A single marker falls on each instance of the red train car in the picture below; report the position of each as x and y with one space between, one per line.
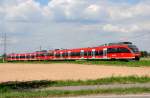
111 51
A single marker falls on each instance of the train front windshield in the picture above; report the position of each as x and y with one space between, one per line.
134 48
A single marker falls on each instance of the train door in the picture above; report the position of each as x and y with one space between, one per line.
54 55
44 56
69 54
61 56
82 54
25 57
11 57
19 57
15 57
93 53
30 57
105 53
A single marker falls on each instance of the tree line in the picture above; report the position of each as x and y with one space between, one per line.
145 54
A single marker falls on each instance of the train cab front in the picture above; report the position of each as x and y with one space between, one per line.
135 52
137 56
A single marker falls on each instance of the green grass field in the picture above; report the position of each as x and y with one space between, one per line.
27 89
116 63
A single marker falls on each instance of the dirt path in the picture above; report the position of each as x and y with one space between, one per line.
94 87
112 96
27 72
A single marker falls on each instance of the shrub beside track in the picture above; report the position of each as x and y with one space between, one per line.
44 83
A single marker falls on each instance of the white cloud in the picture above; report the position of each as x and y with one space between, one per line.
129 11
93 12
122 29
73 10
27 11
67 9
90 21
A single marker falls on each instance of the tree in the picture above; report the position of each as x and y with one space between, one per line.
144 54
149 54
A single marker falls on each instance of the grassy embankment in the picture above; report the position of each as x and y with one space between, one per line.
143 62
26 89
59 93
116 63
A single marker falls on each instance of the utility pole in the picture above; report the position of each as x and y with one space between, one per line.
40 48
4 39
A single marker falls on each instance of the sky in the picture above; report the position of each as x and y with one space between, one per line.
51 24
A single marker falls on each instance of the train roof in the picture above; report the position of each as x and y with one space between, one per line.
104 45
117 43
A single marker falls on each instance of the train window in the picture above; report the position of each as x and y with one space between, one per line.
73 54
22 57
86 53
112 50
65 54
45 54
39 55
32 56
123 50
57 55
101 53
17 57
28 57
49 54
42 55
134 48
97 53
8 56
77 53
89 53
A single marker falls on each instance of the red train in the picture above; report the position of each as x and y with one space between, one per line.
111 51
